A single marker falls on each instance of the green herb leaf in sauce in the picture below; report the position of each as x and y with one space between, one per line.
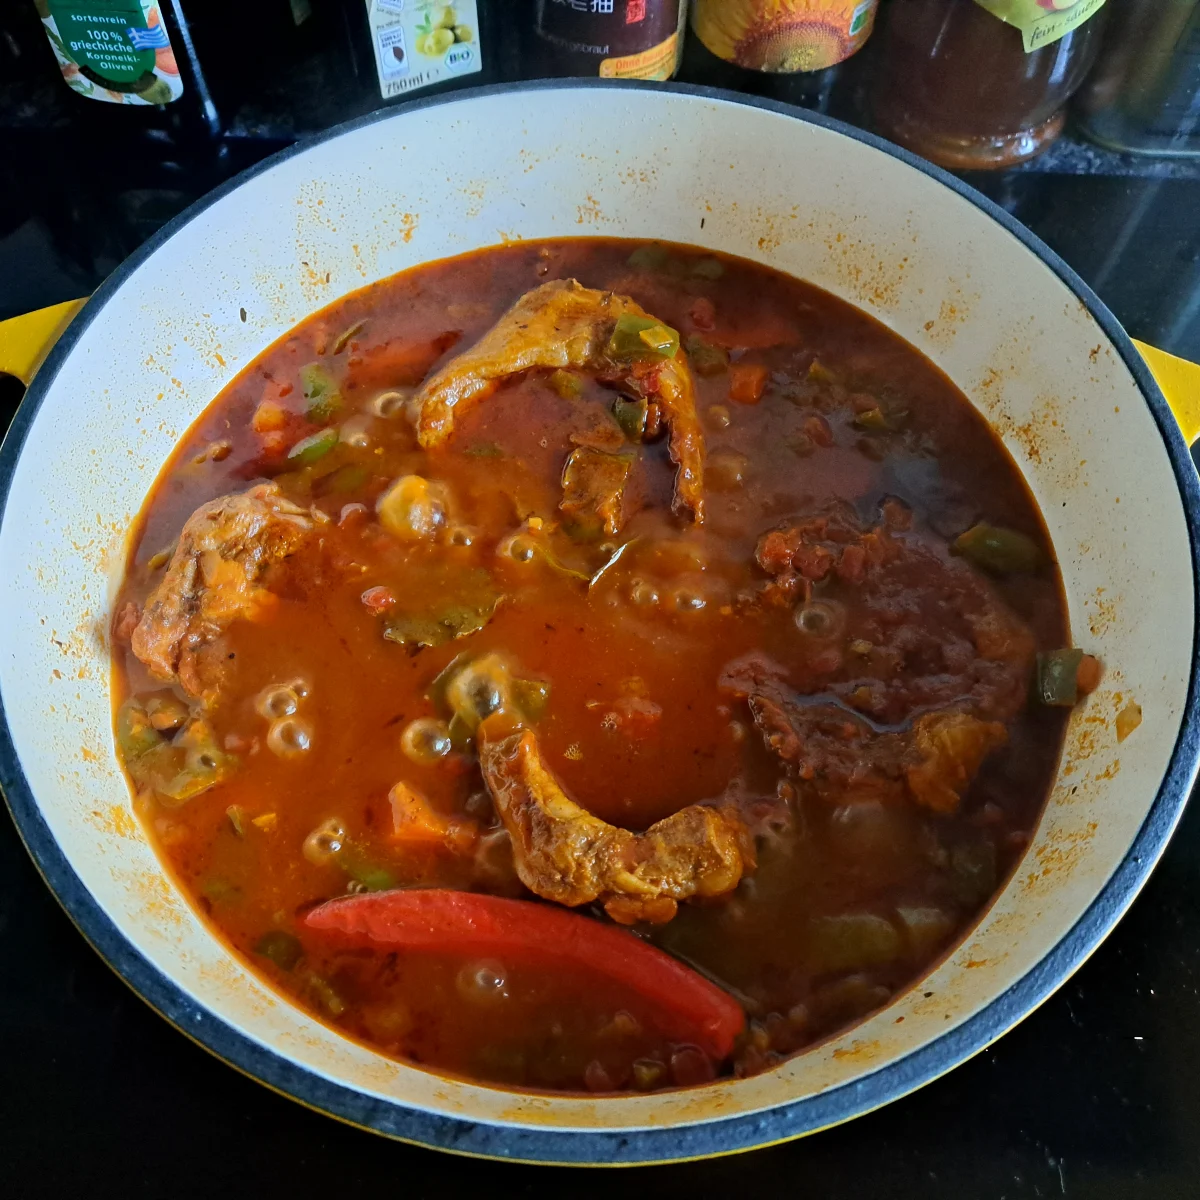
177 770
1000 551
706 359
417 633
219 890
872 420
708 268
322 396
649 258
973 871
135 734
851 941
372 876
636 337
1058 677
532 546
470 599
567 384
345 336
819 373
631 416
283 949
594 486
349 478
308 450
531 696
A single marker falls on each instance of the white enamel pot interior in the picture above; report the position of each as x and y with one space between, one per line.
1010 324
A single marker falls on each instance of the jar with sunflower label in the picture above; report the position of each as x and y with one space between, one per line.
783 36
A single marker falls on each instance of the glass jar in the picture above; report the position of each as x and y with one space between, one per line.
958 84
1144 95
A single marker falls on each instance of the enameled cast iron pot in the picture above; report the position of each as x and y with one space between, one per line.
1023 337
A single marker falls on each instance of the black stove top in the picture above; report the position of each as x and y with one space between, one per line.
1093 1096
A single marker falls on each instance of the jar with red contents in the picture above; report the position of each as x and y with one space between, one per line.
982 83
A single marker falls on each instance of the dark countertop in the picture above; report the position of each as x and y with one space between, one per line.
1093 1096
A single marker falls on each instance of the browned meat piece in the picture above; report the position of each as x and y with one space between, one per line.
565 854
948 749
563 324
907 666
594 490
896 627
842 758
604 434
215 576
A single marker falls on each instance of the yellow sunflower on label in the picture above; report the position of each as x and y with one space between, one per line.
783 35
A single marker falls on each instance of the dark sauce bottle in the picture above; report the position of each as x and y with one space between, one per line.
608 39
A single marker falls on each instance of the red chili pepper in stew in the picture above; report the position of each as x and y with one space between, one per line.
689 1008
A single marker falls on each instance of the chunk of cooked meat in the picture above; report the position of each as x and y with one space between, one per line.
889 626
907 663
594 490
842 758
216 576
558 325
947 751
565 854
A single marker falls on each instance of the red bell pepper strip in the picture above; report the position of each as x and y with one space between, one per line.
688 1008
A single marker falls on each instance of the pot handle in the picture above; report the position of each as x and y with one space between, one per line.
1180 383
25 341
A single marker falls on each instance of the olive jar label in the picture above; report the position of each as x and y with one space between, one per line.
117 51
1042 22
418 44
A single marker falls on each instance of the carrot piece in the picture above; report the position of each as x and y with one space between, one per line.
416 825
268 417
412 818
746 382
688 1007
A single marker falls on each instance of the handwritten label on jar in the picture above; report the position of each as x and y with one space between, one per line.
117 51
418 44
1042 22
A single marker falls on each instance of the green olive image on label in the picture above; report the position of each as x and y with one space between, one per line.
117 51
438 42
419 45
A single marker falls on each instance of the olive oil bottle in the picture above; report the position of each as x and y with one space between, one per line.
138 56
418 47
